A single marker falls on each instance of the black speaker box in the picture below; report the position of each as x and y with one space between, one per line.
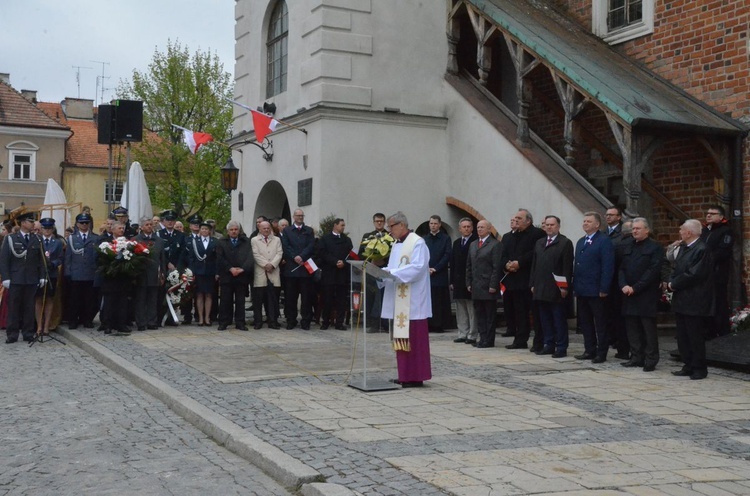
105 122
128 120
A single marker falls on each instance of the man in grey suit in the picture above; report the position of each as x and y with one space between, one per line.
483 269
147 284
22 265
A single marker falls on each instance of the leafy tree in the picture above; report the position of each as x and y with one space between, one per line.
189 91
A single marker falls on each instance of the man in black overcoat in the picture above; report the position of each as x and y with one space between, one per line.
234 266
333 249
719 239
439 245
298 242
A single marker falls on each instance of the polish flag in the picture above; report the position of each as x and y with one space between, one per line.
311 266
502 289
561 281
263 124
195 140
352 255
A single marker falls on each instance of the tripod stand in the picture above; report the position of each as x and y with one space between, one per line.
40 337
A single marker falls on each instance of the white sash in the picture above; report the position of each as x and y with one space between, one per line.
402 305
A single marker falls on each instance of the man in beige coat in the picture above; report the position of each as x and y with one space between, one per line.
267 252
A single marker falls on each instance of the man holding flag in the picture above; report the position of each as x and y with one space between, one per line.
298 242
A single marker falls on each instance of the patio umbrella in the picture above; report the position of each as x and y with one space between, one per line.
55 196
135 195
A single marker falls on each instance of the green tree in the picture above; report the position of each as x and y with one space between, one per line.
189 91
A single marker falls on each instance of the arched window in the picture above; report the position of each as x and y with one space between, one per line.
276 49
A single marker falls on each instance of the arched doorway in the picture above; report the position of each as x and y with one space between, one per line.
272 202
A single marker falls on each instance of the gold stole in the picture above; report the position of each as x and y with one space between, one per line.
402 306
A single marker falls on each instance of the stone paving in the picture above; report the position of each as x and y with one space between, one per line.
491 422
72 427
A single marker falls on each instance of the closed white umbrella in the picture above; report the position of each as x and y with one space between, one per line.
135 195
55 196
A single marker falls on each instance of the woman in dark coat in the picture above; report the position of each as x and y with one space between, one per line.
202 262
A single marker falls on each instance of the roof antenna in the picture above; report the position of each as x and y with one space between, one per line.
78 76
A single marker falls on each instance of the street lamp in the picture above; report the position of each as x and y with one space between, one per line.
229 176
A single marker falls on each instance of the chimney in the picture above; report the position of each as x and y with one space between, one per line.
5 77
78 108
30 95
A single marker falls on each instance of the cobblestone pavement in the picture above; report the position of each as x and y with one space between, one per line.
73 427
491 422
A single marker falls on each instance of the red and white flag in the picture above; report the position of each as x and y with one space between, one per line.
194 139
352 255
263 124
502 289
310 265
561 281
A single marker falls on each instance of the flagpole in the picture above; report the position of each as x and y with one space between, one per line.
253 110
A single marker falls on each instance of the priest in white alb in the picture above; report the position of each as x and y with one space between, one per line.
407 302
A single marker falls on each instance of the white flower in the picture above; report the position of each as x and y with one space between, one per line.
104 247
127 255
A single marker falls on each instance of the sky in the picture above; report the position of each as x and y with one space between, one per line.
43 41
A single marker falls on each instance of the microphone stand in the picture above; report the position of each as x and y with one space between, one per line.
39 336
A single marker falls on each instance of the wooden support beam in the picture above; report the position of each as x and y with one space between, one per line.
573 102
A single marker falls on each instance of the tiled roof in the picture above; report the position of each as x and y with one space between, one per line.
15 110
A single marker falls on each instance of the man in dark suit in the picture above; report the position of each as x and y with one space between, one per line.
54 253
592 280
234 265
374 294
551 272
174 254
613 219
298 241
719 239
518 253
692 299
333 248
439 245
148 283
613 302
80 267
639 280
22 264
465 319
483 271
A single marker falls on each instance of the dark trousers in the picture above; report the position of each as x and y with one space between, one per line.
115 305
335 297
232 303
145 305
21 299
553 320
510 316
186 309
644 344
296 288
593 324
719 324
265 297
84 302
520 308
441 309
538 330
691 340
618 333
485 312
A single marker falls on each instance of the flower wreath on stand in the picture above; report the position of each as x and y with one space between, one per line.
179 289
122 258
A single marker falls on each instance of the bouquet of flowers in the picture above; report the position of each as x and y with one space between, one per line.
180 286
377 246
740 320
122 258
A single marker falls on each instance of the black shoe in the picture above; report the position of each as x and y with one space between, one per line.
73 327
187 322
649 368
10 341
305 327
631 363
340 327
514 346
472 342
698 375
559 354
545 351
123 332
141 328
459 340
222 328
585 356
508 335
28 340
622 355
682 373
170 324
242 328
324 327
152 327
291 325
485 345
274 325
412 384
599 359
258 326
88 325
534 349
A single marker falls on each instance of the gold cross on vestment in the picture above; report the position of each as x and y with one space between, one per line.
402 288
401 318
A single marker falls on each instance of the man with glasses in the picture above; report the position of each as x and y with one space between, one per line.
718 237
374 295
22 267
298 243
